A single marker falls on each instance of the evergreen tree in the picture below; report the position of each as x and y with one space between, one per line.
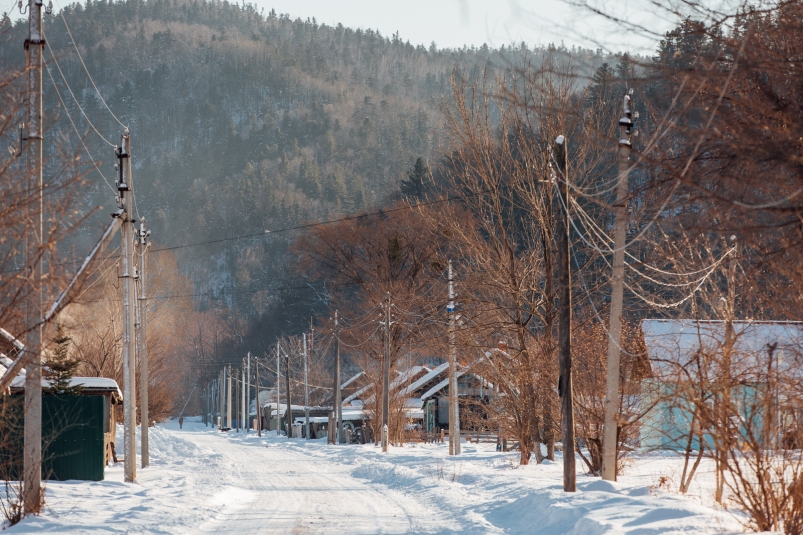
413 187
59 368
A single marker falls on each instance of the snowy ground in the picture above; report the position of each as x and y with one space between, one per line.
204 481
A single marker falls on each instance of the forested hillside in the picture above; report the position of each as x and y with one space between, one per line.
244 121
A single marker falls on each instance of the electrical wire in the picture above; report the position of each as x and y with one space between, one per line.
706 271
50 75
67 26
319 223
637 294
64 78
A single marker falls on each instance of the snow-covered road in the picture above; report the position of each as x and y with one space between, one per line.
204 481
282 490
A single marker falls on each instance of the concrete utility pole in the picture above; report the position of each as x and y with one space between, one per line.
306 392
220 387
338 409
256 398
278 390
611 429
125 189
248 395
386 377
143 243
238 402
288 421
565 320
32 454
454 408
228 399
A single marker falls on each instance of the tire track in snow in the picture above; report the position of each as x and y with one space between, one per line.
280 489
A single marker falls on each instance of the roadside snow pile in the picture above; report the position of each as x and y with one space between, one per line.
489 490
164 446
203 481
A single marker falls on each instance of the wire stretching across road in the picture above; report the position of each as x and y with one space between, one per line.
313 225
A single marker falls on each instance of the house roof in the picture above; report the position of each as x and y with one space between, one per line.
415 385
672 346
91 385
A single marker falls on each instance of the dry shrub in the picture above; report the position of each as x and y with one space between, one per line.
96 327
590 365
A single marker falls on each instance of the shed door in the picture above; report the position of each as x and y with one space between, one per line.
443 410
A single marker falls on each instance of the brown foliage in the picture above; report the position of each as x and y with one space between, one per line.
364 259
95 324
590 360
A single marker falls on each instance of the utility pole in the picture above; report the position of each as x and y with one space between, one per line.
386 377
306 392
565 320
143 243
278 390
220 387
256 399
337 396
238 402
611 428
454 408
125 189
228 399
288 421
32 454
248 396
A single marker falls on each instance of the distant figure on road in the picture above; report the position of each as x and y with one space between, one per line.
180 421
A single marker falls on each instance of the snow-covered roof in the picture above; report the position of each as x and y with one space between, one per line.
415 385
672 345
357 394
98 384
403 377
8 336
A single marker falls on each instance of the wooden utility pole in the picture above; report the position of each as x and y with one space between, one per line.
306 392
125 189
32 454
338 409
143 243
565 319
386 377
454 408
610 435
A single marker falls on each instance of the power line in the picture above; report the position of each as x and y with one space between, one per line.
313 225
67 111
280 230
64 78
61 12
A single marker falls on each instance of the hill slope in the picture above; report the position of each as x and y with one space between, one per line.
243 121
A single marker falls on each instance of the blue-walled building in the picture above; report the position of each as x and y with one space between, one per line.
689 356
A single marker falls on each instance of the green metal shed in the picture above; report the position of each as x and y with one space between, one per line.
77 432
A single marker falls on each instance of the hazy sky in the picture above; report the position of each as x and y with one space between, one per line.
453 23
